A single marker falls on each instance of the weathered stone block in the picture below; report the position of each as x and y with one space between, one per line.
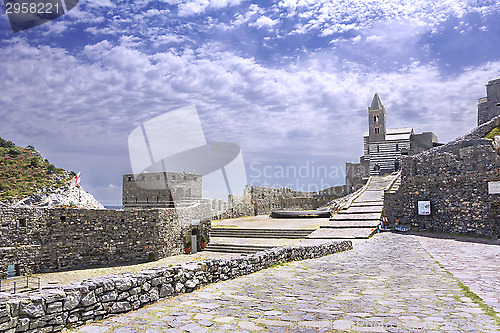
123 284
54 307
135 291
89 299
119 307
166 290
8 324
31 309
23 325
72 300
157 281
110 296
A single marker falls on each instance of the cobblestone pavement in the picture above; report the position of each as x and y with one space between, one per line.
474 262
386 284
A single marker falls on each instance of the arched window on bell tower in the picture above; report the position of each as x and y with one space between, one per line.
376 119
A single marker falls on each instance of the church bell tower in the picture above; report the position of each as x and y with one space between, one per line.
376 120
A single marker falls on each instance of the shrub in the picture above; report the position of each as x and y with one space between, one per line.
6 144
14 152
51 168
34 162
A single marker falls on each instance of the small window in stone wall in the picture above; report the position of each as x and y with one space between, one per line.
123 220
63 218
22 222
129 178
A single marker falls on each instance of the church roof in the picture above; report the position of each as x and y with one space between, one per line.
376 103
391 134
400 130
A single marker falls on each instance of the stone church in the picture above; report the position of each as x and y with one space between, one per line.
383 147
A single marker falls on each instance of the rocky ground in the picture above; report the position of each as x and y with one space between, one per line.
64 196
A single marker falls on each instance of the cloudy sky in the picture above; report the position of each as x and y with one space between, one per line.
288 81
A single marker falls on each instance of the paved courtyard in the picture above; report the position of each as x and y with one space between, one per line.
386 284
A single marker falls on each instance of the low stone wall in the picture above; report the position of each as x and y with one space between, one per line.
52 310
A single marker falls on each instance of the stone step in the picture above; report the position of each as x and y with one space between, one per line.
351 224
355 217
342 233
260 233
362 209
367 204
236 248
370 196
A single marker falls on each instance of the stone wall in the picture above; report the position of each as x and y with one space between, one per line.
160 189
52 310
266 199
73 238
455 180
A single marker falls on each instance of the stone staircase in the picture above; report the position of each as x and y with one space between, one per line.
222 238
360 217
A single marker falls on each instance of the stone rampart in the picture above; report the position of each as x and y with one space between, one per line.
266 199
42 240
52 310
455 181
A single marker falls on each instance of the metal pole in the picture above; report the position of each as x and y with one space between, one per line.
27 281
39 283
14 287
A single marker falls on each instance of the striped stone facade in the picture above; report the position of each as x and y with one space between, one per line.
384 156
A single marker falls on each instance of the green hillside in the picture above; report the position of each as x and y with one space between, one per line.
23 172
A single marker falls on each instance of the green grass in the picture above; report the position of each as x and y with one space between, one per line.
479 301
493 133
488 310
23 172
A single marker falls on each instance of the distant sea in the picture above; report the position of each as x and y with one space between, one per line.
113 207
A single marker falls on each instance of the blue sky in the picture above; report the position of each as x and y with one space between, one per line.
288 81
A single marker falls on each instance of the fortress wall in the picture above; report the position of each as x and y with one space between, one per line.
456 186
20 226
266 199
65 238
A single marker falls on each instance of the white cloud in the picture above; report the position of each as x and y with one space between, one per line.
265 22
339 16
308 110
195 7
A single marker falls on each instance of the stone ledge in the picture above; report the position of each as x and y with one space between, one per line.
53 309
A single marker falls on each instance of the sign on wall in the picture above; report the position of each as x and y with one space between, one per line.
494 187
424 208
